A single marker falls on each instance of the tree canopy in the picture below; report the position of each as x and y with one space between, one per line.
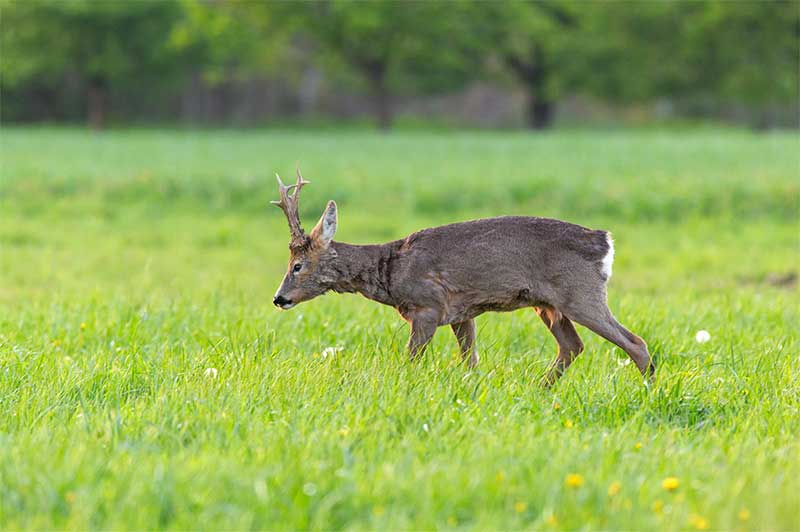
725 52
105 46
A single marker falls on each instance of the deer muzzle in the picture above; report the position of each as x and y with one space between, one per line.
282 302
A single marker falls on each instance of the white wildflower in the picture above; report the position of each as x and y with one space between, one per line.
702 336
211 373
330 351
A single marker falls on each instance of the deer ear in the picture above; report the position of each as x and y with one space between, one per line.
326 226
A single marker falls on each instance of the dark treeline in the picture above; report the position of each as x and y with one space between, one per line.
225 61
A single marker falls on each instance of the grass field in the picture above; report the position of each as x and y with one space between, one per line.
133 262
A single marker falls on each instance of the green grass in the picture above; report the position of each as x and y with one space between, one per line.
133 261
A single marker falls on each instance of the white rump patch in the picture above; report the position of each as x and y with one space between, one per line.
608 260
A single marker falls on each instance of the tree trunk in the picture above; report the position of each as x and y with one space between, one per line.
382 99
97 102
384 109
540 106
540 112
532 71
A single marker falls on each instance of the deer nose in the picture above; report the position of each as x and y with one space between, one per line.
280 301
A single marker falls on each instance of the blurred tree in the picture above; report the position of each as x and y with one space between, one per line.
618 44
532 40
722 53
742 52
708 53
232 47
231 39
106 45
393 46
712 52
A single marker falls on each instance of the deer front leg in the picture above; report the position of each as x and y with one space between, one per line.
423 326
465 334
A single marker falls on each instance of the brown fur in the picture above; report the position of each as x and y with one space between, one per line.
450 274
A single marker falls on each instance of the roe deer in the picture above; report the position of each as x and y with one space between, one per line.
448 275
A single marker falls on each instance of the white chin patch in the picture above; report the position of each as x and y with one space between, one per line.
287 306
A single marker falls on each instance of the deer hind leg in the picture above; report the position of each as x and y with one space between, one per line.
569 343
596 316
465 334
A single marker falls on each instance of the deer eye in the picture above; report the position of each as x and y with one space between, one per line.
296 268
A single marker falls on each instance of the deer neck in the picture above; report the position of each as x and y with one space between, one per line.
364 269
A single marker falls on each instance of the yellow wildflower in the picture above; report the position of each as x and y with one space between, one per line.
744 514
83 325
614 488
700 523
568 423
657 506
557 406
344 431
520 507
638 445
670 483
551 520
574 480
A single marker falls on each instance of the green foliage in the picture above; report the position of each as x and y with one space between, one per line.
707 52
416 45
132 262
232 40
532 40
712 52
102 50
111 41
743 52
392 47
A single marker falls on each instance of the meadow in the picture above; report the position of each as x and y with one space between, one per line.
147 381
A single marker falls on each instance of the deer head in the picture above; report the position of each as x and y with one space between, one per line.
310 272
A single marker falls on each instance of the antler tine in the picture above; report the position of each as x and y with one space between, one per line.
300 181
282 190
288 204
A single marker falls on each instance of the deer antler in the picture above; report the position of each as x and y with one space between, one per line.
288 203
